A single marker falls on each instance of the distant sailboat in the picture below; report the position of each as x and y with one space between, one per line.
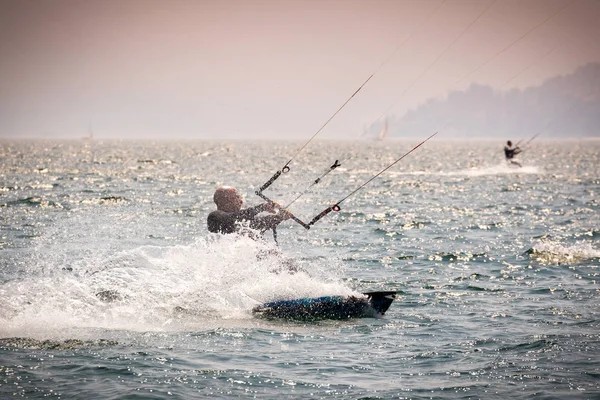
90 134
383 132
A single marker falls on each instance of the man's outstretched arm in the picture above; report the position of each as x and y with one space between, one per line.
269 221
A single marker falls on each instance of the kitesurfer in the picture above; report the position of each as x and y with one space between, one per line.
510 152
229 215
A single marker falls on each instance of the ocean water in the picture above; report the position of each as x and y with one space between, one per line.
497 271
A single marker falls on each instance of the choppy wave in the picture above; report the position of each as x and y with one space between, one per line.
33 201
69 344
106 200
552 253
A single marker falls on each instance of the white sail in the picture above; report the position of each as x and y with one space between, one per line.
383 132
90 133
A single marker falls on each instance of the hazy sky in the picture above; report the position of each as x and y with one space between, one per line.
267 68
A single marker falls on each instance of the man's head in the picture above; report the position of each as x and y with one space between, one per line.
228 199
509 143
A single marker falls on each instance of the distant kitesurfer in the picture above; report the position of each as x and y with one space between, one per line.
229 216
510 152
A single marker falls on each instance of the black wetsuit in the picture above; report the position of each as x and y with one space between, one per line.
511 152
228 222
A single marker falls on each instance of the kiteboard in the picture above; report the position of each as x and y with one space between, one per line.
369 305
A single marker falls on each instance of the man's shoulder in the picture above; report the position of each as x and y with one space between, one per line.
220 222
218 214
